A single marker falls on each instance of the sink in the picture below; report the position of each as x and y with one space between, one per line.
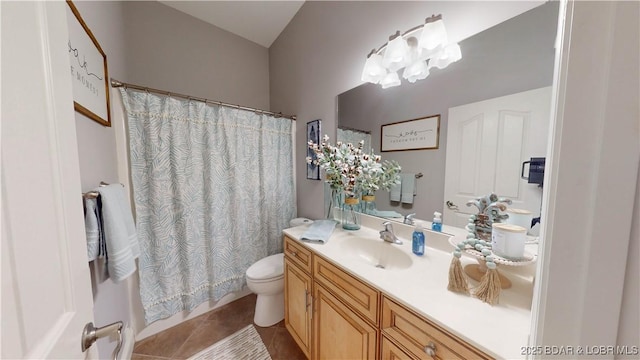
376 252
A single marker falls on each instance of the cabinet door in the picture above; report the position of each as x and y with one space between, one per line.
338 332
297 303
392 352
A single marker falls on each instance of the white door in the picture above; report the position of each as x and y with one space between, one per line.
487 142
46 289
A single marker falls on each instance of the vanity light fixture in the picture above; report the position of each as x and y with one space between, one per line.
417 50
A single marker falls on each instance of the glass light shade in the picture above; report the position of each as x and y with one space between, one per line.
390 80
450 54
373 70
395 55
433 35
416 71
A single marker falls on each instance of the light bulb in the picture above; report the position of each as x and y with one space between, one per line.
390 80
433 35
395 54
373 70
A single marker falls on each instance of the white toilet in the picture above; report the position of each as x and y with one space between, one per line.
265 278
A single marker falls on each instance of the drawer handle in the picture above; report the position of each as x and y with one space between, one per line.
294 253
430 349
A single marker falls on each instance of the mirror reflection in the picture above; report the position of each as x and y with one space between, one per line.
486 129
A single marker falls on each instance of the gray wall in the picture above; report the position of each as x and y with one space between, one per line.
169 50
321 52
150 44
514 56
97 155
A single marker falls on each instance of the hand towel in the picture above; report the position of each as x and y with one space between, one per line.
120 234
320 231
394 192
385 213
408 187
92 228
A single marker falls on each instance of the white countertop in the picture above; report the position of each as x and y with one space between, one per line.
500 330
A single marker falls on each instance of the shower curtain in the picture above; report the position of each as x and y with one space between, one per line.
213 189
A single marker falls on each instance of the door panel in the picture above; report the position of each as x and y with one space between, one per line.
487 142
339 333
297 295
45 274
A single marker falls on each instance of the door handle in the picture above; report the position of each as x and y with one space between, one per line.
452 206
91 333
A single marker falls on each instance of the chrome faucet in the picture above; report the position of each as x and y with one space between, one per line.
408 219
388 235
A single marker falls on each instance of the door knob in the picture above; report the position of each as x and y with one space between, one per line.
452 206
91 333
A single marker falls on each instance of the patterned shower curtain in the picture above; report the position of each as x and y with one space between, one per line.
213 189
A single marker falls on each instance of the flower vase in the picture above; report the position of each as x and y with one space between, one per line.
368 204
335 202
350 215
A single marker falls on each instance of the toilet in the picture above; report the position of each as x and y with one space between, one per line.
265 278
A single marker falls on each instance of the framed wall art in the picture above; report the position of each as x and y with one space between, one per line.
89 75
415 134
313 134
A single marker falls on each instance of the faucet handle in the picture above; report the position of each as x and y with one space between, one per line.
408 219
388 226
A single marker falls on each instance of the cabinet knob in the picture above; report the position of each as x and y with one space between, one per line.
294 253
430 349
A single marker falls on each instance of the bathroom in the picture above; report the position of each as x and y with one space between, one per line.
300 74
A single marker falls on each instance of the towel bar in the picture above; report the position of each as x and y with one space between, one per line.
94 194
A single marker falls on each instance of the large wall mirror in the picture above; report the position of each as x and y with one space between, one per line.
513 57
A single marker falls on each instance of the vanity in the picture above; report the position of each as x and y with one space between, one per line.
358 297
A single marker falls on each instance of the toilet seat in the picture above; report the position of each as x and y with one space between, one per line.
267 269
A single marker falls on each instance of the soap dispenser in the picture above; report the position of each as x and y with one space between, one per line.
437 222
418 240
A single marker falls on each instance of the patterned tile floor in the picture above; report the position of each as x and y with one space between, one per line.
190 337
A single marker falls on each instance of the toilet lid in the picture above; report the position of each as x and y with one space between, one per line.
267 268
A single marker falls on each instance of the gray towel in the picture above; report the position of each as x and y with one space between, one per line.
320 231
119 232
394 192
408 187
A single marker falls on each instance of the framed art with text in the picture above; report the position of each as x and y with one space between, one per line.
89 75
415 134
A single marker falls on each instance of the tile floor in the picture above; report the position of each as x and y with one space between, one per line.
192 336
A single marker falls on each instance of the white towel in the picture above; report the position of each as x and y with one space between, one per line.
119 232
394 192
408 187
92 228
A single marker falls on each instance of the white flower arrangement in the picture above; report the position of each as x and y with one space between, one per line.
349 169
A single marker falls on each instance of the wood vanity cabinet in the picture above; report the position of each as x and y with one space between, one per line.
298 294
345 315
333 315
417 338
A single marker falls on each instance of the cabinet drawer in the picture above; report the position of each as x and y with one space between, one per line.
415 333
362 298
298 254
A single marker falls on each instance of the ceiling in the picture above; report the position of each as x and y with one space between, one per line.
258 21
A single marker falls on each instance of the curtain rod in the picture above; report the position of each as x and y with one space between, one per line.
116 83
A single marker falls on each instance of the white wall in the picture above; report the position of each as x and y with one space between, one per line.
321 52
150 44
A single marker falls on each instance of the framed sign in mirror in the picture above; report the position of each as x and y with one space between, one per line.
415 134
89 76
